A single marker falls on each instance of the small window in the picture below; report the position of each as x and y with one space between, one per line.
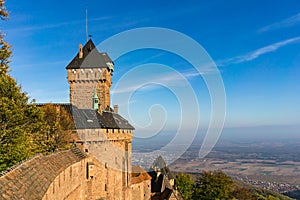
70 171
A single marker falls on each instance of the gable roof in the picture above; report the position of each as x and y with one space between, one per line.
92 119
139 175
92 58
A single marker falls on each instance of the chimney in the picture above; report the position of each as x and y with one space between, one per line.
116 109
80 51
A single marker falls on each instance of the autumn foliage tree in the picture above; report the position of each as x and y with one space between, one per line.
59 127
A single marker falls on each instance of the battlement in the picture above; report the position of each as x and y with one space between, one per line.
89 75
101 135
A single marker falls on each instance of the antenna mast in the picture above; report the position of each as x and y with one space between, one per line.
86 24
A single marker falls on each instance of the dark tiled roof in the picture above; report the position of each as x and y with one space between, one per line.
85 118
92 119
160 181
92 58
32 179
160 164
114 120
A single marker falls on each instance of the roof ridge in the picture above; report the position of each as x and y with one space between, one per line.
76 151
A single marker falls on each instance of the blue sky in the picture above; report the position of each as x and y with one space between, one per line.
255 44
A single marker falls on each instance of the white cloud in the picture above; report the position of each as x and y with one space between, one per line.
291 21
167 79
258 52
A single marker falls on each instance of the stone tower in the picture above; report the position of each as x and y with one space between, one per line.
90 71
101 131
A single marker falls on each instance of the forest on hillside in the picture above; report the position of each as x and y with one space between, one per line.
212 185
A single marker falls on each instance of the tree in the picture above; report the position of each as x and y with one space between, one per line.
21 125
59 127
240 192
214 185
185 185
3 11
5 51
269 197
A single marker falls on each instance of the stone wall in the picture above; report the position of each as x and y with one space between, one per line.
69 175
87 179
112 148
140 184
84 82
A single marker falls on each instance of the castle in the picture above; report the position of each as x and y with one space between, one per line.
100 165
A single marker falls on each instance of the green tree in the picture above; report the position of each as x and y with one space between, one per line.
240 192
214 185
21 125
5 51
185 185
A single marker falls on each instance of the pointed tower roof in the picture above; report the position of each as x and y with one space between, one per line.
160 164
91 58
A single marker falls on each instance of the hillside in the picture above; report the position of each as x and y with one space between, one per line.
218 185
